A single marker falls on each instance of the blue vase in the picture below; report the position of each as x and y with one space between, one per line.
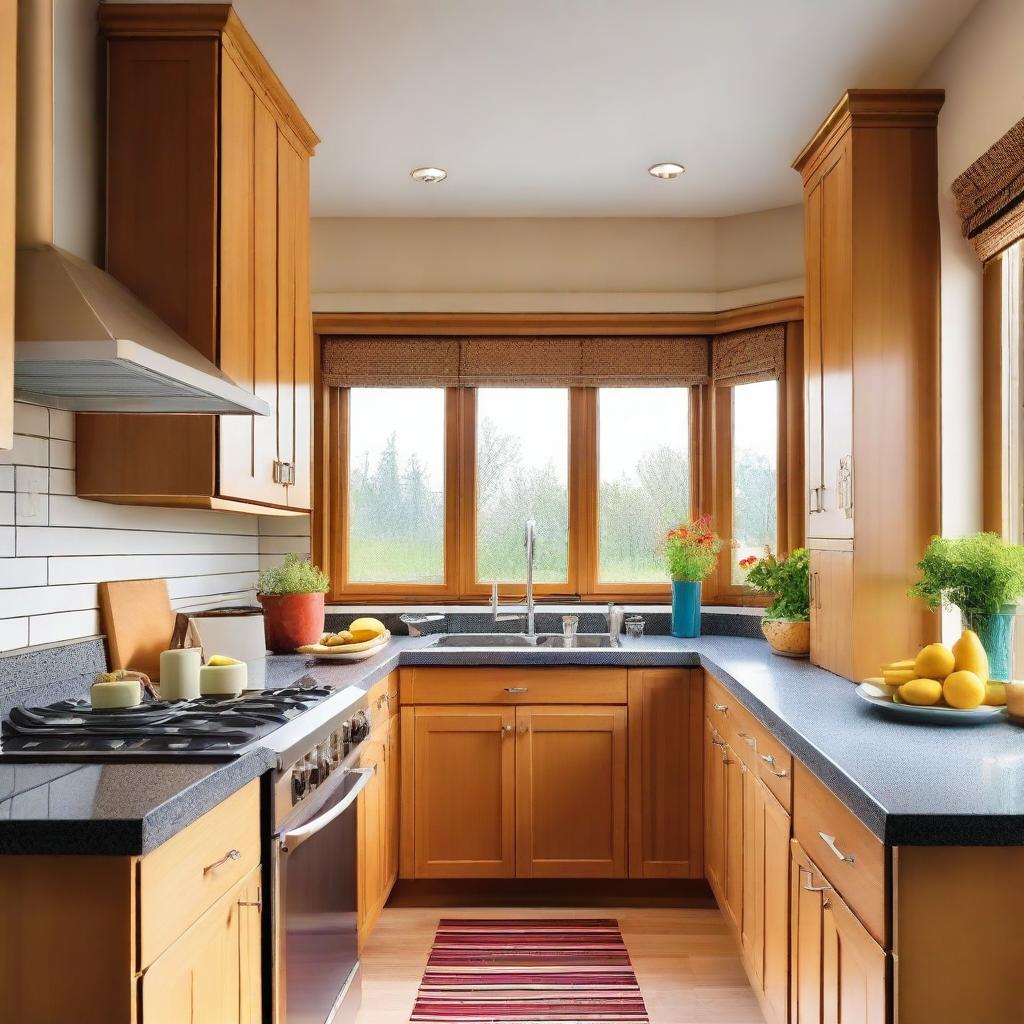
996 635
686 608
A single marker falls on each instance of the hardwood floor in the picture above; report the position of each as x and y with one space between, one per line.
685 960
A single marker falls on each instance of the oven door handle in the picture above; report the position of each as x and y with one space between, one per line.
294 838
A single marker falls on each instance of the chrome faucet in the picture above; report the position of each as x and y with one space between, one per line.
531 536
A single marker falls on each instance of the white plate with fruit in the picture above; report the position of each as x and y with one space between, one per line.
361 640
939 685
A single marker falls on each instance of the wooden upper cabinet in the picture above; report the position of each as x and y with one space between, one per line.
871 338
208 222
571 792
8 97
666 720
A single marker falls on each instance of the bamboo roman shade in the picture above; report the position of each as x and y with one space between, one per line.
989 195
749 356
514 361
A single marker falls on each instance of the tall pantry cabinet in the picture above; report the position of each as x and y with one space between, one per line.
208 223
871 342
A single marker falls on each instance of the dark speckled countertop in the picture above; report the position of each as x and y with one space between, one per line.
910 784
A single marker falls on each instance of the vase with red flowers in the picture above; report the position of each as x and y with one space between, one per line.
691 549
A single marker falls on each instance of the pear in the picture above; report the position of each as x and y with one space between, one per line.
969 655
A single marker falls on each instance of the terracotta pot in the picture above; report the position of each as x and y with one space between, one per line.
291 620
789 637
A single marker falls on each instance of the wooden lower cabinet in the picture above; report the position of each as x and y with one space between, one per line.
213 973
666 721
464 798
837 970
571 792
714 809
736 842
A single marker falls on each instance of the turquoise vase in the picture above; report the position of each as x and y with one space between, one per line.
686 608
996 635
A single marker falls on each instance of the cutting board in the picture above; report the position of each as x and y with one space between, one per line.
137 618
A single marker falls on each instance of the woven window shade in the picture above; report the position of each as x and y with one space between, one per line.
355 361
989 195
369 362
746 357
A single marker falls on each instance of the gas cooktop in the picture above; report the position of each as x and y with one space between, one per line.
205 727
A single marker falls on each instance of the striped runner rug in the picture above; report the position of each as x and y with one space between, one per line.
529 970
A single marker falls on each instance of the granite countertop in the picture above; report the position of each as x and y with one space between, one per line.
911 784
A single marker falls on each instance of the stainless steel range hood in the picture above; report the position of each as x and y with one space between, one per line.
82 340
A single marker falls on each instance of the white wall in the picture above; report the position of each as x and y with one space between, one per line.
983 75
551 264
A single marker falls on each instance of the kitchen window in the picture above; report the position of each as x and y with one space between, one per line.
428 488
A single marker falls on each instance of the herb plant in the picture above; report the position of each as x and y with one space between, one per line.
977 574
785 579
293 576
691 549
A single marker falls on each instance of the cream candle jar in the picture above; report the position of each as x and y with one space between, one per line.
179 673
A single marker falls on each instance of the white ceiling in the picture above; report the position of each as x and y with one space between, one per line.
555 108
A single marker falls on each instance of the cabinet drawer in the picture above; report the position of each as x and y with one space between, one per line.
847 854
560 685
382 697
190 872
724 711
775 767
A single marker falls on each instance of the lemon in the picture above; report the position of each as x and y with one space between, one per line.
923 692
963 690
896 666
995 693
934 662
898 676
366 629
219 659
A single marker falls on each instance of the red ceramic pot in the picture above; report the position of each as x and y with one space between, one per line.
291 620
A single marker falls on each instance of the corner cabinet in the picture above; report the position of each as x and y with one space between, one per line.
208 223
871 344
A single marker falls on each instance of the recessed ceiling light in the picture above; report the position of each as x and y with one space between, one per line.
428 175
665 171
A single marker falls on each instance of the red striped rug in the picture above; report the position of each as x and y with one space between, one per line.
525 971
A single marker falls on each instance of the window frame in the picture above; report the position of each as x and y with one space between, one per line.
710 416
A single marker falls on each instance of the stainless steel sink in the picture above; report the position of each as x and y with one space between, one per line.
548 640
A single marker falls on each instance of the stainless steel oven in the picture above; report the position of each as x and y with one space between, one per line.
315 862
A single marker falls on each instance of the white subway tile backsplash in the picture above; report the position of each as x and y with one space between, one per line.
284 545
62 454
13 634
22 572
55 547
49 629
284 526
31 419
27 451
62 424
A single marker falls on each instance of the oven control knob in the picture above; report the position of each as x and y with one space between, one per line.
360 726
301 780
324 763
337 747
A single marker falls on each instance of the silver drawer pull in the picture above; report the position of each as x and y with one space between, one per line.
751 740
516 689
257 903
728 760
813 888
230 855
830 842
770 761
718 742
721 707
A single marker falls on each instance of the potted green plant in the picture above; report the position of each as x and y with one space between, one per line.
787 620
691 550
292 595
983 577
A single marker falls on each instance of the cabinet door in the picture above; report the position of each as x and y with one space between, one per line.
734 843
371 825
831 584
665 726
571 792
714 810
836 518
300 491
805 964
464 803
392 797
288 162
773 903
212 974
248 287
853 968
812 351
752 930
